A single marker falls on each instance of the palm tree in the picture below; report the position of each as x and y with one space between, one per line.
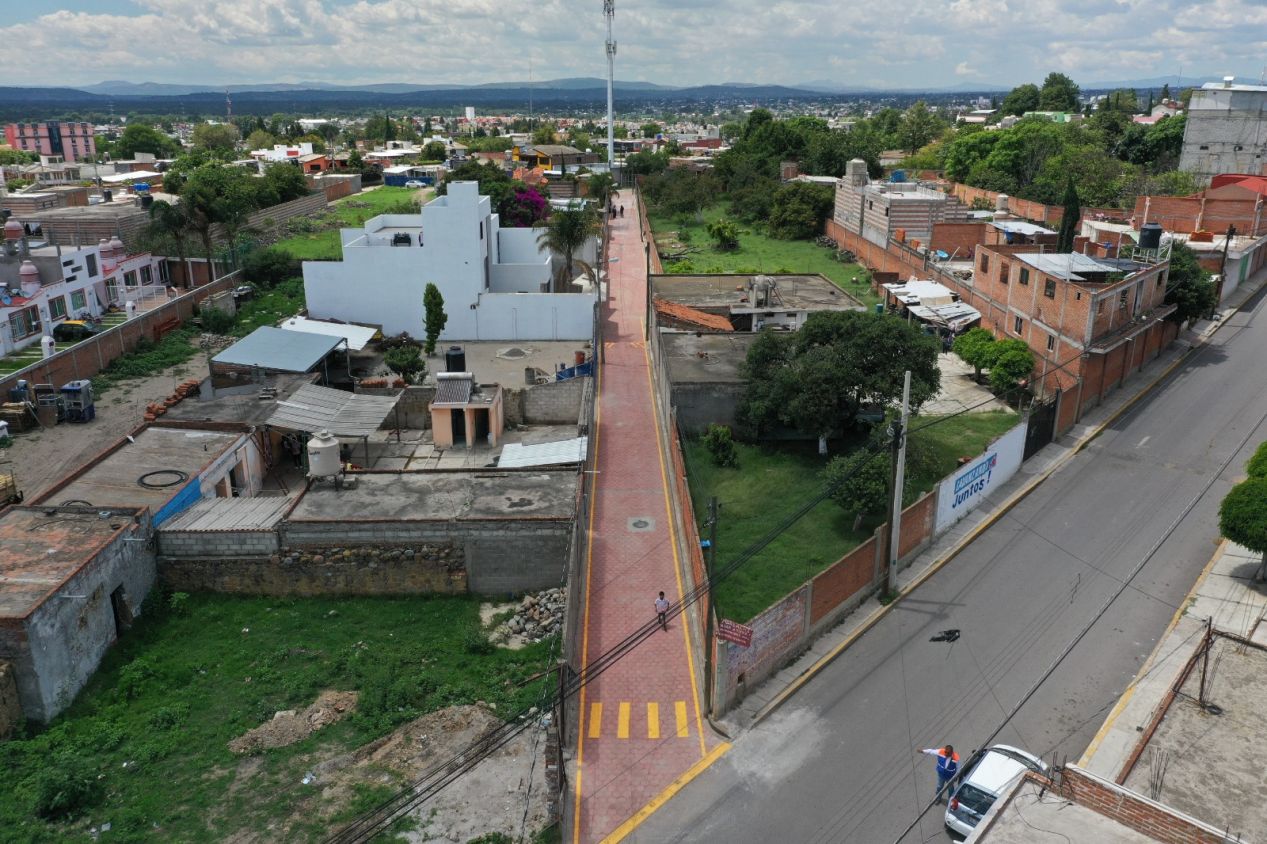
601 187
170 220
565 231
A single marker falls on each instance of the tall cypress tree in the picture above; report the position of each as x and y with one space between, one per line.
1069 219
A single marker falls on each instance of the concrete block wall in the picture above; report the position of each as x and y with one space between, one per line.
413 406
556 403
701 405
207 543
10 705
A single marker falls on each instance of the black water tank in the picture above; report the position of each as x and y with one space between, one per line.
1150 236
107 195
146 200
454 359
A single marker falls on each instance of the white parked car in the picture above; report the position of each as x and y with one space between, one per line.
994 772
414 183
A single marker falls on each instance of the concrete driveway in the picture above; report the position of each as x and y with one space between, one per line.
958 391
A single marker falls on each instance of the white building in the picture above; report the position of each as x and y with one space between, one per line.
495 282
282 152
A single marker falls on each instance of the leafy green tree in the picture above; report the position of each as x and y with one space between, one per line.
720 444
285 182
406 362
1257 465
216 137
1013 363
434 317
1243 518
566 231
435 151
1188 286
646 163
168 221
798 210
1021 99
918 127
1059 93
270 267
725 234
215 194
1165 91
1069 217
650 130
859 483
17 156
65 787
260 139
546 133
976 347
138 137
600 187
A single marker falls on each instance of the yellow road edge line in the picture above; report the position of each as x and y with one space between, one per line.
1120 706
596 719
640 817
677 559
653 720
585 625
1006 507
622 720
679 713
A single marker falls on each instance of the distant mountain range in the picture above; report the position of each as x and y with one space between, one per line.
160 89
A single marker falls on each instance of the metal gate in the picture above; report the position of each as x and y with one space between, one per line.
1041 426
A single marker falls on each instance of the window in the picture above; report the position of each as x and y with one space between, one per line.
147 276
1099 308
91 261
1121 300
1078 295
1024 279
78 301
25 323
57 307
164 274
985 263
1205 146
1017 325
481 231
1049 288
129 278
1051 342
1005 273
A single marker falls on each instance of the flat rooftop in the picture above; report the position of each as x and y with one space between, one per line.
1061 819
503 362
43 547
1214 763
248 404
440 496
695 358
113 481
795 292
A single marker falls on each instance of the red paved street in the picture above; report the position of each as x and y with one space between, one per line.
641 720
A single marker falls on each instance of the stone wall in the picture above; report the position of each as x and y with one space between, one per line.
196 544
556 403
333 570
10 706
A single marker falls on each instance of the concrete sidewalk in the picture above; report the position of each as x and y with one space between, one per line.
782 685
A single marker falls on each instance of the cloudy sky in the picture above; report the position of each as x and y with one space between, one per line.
930 43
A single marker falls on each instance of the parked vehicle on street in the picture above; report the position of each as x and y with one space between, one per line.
414 183
980 785
74 330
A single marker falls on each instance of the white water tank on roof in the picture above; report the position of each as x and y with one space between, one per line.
130 307
1000 203
29 278
48 346
116 247
323 455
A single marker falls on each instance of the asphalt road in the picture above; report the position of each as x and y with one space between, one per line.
839 762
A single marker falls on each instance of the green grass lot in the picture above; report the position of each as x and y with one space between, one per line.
145 743
773 480
349 212
758 252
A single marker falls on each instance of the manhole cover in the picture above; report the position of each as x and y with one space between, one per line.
642 524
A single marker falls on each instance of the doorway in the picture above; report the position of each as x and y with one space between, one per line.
459 425
122 612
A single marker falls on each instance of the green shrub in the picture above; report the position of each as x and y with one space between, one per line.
270 267
215 321
477 643
1257 465
720 443
178 603
65 787
166 717
134 678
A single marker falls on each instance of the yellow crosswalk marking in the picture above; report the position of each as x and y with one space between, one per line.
679 709
622 721
596 719
653 720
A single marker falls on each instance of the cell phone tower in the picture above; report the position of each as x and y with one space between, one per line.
609 11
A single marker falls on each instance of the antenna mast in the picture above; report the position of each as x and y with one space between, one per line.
609 11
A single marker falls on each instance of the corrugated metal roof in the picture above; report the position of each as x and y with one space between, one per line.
358 336
453 390
1019 227
518 455
231 514
343 414
1065 265
283 351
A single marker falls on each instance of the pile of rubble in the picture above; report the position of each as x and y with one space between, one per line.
536 617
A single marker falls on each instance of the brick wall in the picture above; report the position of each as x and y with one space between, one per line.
267 219
833 588
958 239
86 359
197 544
916 530
556 403
1187 214
10 706
1147 817
313 572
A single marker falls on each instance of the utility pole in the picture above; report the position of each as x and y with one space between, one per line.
1227 243
609 10
898 477
713 508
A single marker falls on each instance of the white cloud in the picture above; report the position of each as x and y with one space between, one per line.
915 43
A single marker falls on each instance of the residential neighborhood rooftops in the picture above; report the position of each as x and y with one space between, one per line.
312 408
691 317
788 292
556 149
358 336
245 404
1020 227
706 358
43 547
1071 266
268 347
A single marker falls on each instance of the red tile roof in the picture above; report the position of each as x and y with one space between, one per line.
691 316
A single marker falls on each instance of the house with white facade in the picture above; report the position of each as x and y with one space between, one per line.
495 281
42 285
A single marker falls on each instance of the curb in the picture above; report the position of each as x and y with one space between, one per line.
989 522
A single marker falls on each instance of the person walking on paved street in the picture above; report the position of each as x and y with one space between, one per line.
947 767
662 610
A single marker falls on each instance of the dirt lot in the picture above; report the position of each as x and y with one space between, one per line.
41 457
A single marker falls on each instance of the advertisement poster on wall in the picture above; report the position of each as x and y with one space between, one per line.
963 491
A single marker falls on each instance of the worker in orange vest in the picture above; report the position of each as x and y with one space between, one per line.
947 767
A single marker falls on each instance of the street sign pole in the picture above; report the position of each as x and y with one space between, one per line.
709 644
899 476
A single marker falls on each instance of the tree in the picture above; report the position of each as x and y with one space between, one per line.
650 130
1059 93
975 347
1013 362
1188 287
169 221
600 187
566 231
215 137
1257 465
1069 218
859 483
918 127
435 151
138 137
1165 92
546 133
523 209
260 139
215 194
646 163
406 362
1243 518
270 267
356 161
1021 99
725 234
798 210
720 444
834 364
284 181
434 318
